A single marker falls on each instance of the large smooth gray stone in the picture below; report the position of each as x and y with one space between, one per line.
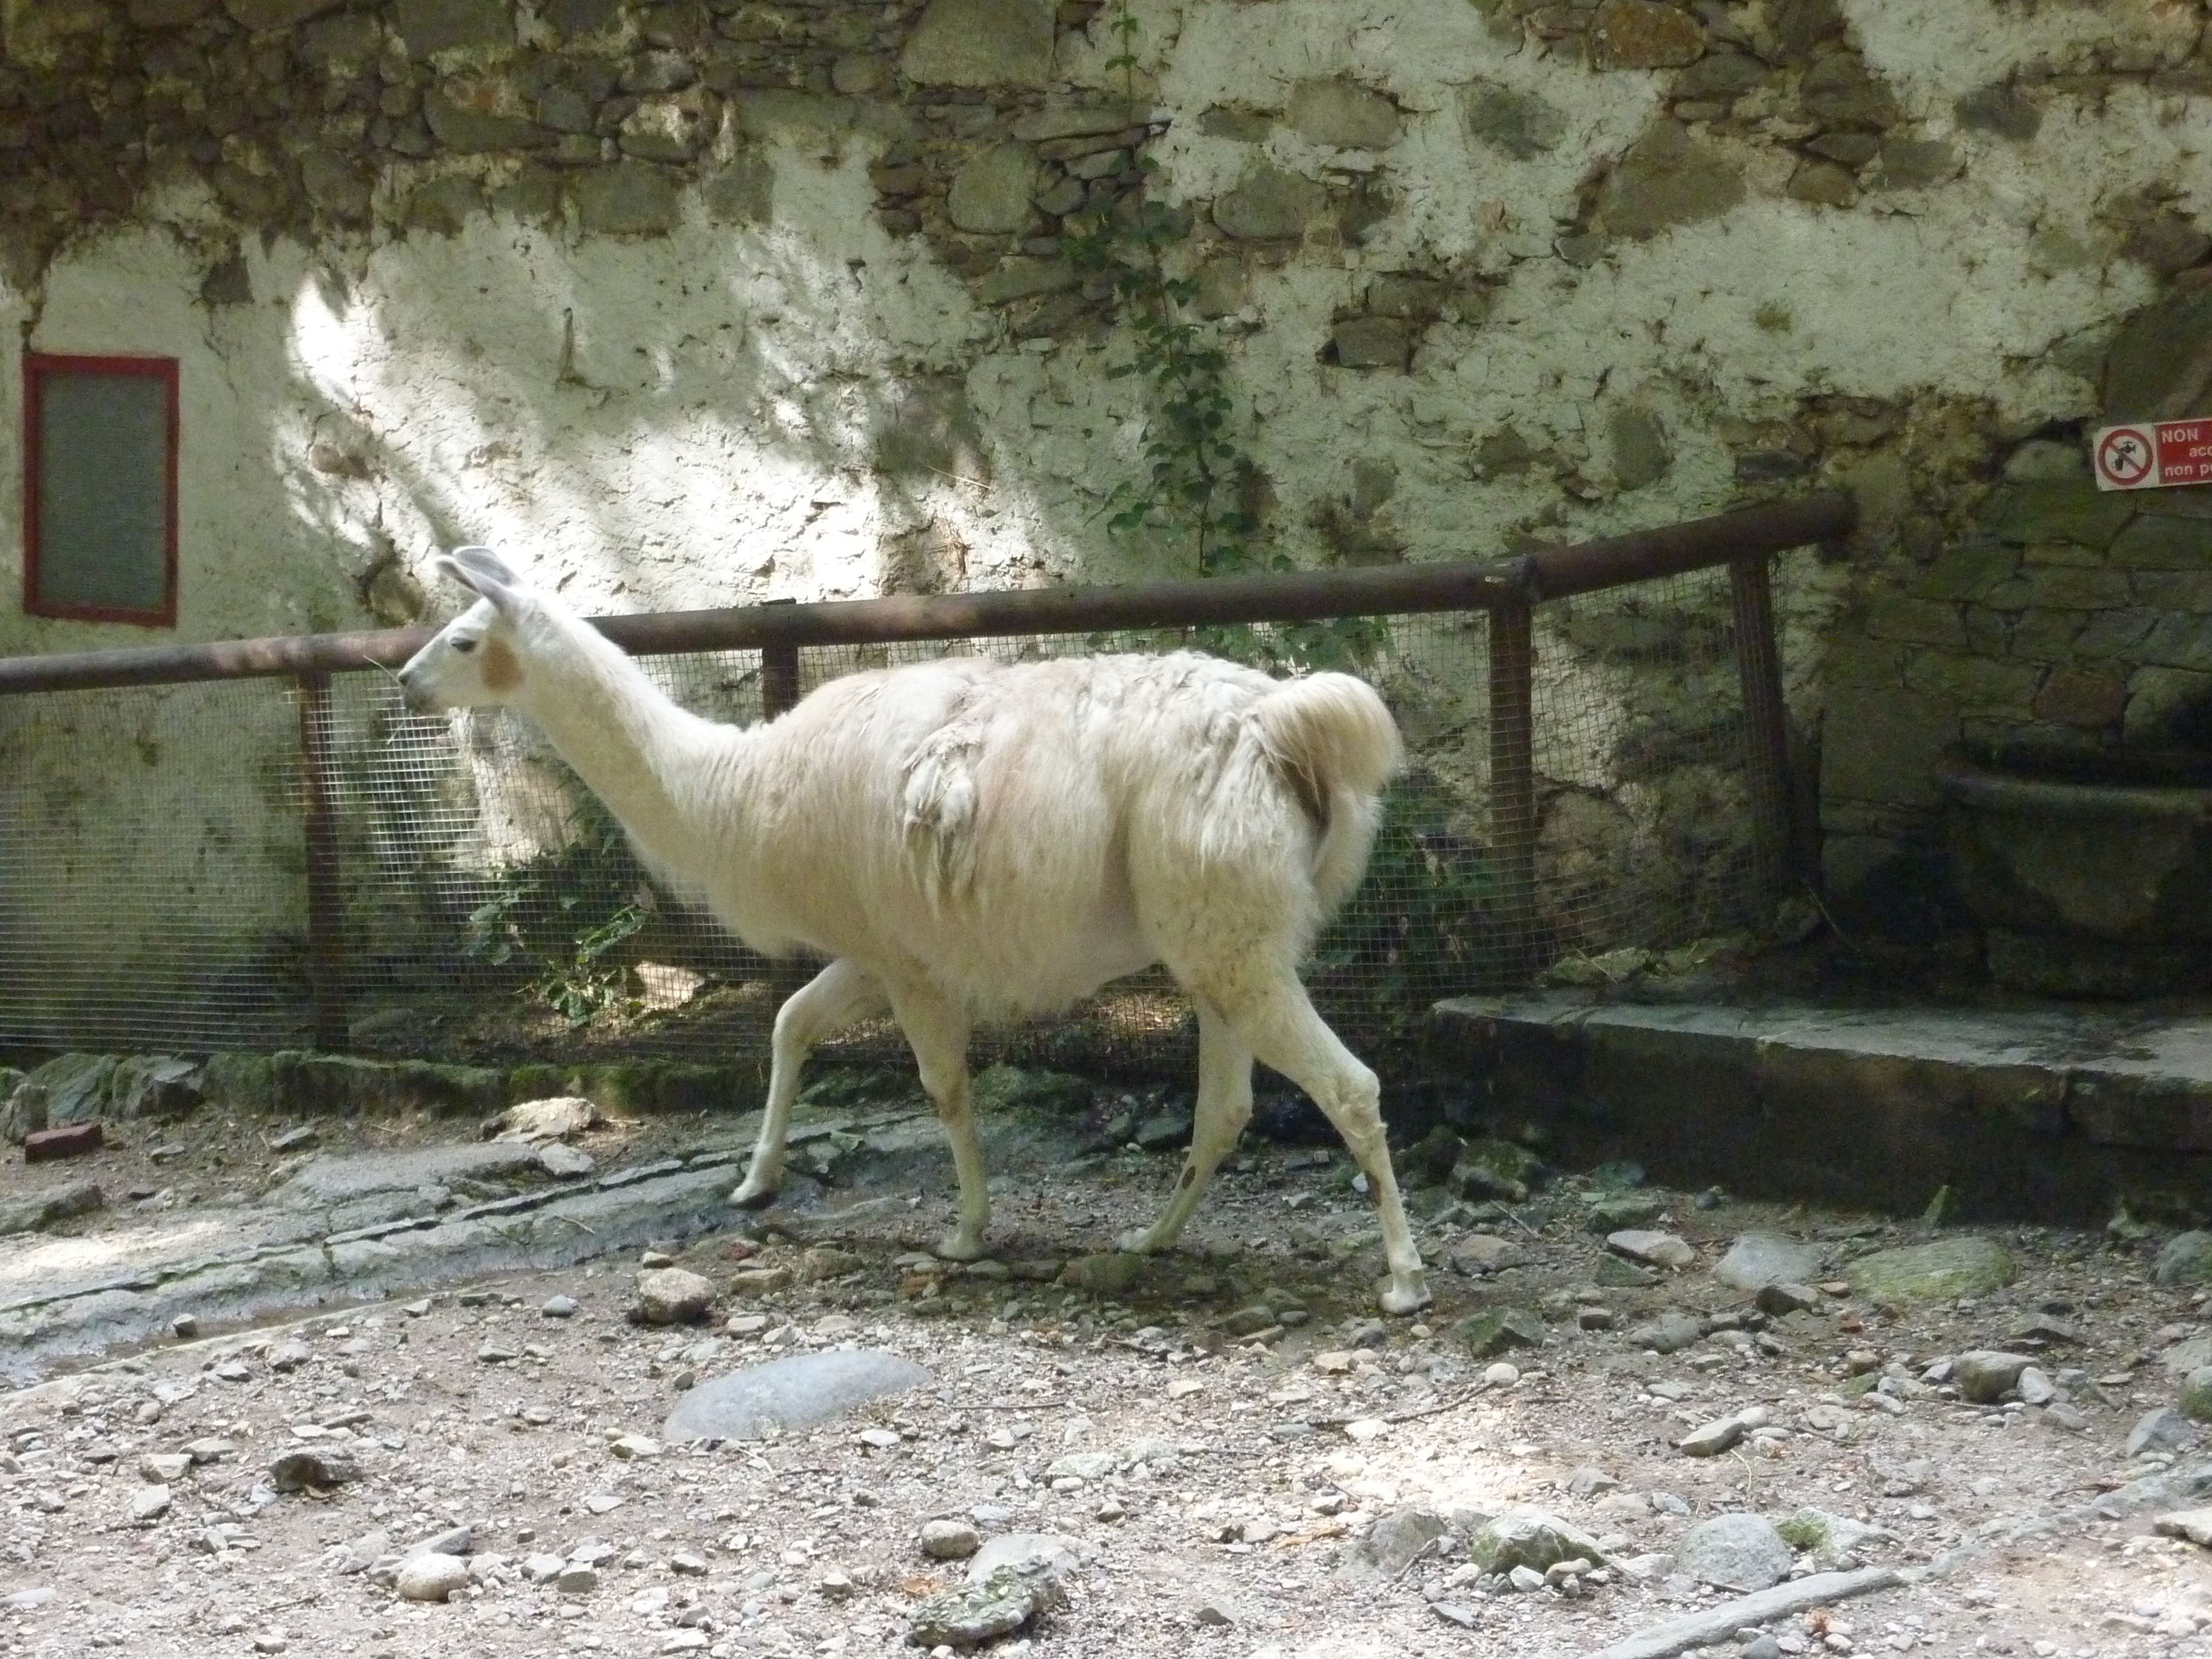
1758 1260
785 1395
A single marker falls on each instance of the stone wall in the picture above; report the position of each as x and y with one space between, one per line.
719 301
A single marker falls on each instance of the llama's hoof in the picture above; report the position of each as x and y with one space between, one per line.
1404 1293
751 1194
957 1247
1138 1241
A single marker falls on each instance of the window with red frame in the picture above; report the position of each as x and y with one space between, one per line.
100 488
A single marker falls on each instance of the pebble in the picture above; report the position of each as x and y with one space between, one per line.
949 1540
272 1641
164 1466
431 1577
1501 1375
673 1296
1654 1249
1737 1552
1710 1439
559 1307
320 1468
149 1502
1985 1375
577 1580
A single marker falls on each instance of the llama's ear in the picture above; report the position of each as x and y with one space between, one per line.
483 571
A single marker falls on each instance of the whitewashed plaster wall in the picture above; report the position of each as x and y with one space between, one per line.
785 397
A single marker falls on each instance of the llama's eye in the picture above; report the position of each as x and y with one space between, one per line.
464 646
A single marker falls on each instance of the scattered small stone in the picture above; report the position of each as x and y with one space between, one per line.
165 1467
576 1580
1984 1375
971 1614
1214 1611
1670 1333
1737 1552
633 1445
1653 1249
1499 1330
319 1469
1710 1439
431 1577
2160 1430
296 1140
149 1502
495 1351
185 1328
2195 1401
1530 1538
2195 1525
1756 1261
212 1449
559 1307
1778 1300
1500 1375
673 1296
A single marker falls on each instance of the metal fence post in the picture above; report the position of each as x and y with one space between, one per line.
1513 779
326 952
779 679
1766 718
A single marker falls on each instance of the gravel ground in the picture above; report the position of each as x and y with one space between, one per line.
1238 1422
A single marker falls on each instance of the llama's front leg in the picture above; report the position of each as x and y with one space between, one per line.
1224 1106
831 1001
936 1031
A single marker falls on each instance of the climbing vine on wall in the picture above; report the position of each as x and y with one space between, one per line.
1198 477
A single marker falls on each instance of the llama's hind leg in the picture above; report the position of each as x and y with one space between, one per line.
936 1031
826 1004
1224 1106
1284 1030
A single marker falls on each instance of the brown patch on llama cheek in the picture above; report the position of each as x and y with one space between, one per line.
502 669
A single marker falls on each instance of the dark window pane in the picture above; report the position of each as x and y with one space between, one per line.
103 491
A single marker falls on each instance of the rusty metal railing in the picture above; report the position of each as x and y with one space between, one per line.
1509 590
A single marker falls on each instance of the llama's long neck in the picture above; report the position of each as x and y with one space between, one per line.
634 748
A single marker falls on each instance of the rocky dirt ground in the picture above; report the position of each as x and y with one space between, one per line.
1234 1456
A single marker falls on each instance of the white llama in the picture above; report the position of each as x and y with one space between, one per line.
967 839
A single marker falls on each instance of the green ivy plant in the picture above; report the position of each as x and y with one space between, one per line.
1198 478
562 915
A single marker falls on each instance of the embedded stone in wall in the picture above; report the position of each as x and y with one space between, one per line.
2059 510
469 118
1342 114
2001 110
933 559
1883 742
1269 205
1641 455
333 185
2154 371
1642 34
2079 698
2167 705
444 206
926 429
990 196
259 14
1839 91
1025 279
429 25
1072 121
168 14
742 193
576 17
1914 163
1801 25
336 40
981 43
2167 244
1827 183
1668 178
629 199
1723 75
1245 126
2152 542
1519 123
666 129
1371 342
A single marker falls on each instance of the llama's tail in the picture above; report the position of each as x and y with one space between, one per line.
1334 742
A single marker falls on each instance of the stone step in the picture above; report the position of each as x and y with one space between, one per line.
2045 1113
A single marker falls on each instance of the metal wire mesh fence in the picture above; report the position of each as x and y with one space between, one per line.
157 891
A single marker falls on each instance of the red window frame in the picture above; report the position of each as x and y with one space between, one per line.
37 367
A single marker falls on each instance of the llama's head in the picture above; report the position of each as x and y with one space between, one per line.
477 659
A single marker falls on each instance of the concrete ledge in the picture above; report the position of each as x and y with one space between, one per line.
2049 1114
